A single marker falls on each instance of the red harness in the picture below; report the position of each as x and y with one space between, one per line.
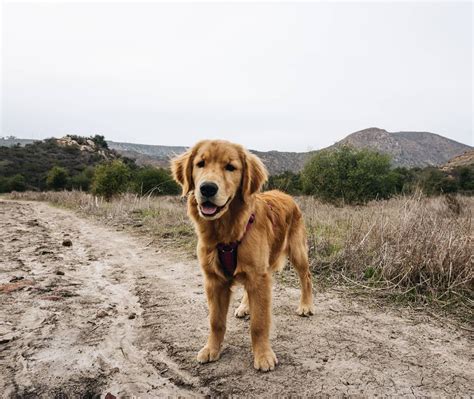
227 253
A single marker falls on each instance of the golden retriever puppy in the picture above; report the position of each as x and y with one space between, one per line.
243 236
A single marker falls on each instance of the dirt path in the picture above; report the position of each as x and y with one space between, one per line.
109 314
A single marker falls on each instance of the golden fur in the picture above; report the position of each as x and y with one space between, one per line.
277 232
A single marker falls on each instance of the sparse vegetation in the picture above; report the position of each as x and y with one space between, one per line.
416 246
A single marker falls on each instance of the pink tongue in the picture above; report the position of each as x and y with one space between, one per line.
208 209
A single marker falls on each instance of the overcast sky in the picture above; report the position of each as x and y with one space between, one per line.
271 76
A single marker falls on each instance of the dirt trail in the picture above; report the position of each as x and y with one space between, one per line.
109 314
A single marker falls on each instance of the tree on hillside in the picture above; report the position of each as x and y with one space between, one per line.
57 178
100 141
110 179
348 175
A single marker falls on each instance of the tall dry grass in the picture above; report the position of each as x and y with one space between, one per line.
415 246
411 247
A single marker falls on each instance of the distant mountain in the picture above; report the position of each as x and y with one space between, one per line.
408 149
10 141
159 155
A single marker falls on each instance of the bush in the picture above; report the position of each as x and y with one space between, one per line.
12 183
348 175
100 141
434 181
83 180
154 181
57 178
465 176
111 179
288 182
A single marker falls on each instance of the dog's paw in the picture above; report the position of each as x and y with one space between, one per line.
305 310
207 355
265 361
242 311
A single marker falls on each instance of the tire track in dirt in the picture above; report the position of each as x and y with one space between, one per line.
129 319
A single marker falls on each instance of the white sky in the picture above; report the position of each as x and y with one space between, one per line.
285 76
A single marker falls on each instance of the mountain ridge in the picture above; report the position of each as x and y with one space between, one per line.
407 148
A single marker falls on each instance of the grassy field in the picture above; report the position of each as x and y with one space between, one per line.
415 250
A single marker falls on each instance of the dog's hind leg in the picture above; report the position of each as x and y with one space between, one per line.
243 309
298 254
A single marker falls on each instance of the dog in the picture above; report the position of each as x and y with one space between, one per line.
244 235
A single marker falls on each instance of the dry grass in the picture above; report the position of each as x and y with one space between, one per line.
408 248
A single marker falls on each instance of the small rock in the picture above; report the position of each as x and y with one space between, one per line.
102 313
6 338
131 316
67 242
60 273
51 298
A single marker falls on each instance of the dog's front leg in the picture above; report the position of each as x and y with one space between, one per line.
218 297
259 290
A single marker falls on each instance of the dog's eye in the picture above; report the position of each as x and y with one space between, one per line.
230 167
200 164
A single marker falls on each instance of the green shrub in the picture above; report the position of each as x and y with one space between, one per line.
154 181
435 181
288 182
465 175
110 179
57 178
100 141
348 175
13 183
83 180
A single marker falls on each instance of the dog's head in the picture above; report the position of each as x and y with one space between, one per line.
218 171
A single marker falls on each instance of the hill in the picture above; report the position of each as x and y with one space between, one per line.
34 160
463 160
407 149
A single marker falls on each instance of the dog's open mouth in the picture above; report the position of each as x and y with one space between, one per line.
209 209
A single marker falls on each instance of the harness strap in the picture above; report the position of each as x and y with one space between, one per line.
227 252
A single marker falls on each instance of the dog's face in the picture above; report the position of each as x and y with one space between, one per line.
218 171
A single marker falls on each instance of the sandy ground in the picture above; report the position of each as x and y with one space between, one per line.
111 314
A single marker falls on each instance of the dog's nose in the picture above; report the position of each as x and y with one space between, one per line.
208 189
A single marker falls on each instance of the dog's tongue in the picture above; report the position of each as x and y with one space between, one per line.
208 209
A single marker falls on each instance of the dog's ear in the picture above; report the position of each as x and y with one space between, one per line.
182 170
254 175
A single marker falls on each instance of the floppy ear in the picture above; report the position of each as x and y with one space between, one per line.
182 170
254 175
